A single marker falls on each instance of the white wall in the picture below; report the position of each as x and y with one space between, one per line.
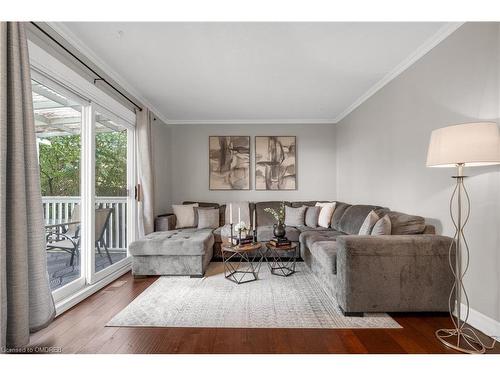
315 162
162 164
382 147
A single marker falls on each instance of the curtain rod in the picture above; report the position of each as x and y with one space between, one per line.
100 78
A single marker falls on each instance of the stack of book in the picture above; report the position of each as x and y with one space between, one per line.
244 241
280 242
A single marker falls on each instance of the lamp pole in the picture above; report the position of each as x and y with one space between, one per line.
460 338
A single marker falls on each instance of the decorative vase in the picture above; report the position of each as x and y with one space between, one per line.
279 230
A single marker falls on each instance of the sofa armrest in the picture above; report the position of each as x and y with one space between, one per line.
393 273
165 222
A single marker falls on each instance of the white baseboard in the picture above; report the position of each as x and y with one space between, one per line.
482 323
68 303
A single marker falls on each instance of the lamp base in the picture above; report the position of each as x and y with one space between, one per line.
464 340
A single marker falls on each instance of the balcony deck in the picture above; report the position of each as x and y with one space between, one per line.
58 261
61 272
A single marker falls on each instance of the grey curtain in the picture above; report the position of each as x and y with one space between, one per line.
26 300
145 173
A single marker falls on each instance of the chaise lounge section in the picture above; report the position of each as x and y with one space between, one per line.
183 252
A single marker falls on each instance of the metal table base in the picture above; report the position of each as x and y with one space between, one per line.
282 266
240 267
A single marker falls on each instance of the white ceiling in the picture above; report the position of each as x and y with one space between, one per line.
253 72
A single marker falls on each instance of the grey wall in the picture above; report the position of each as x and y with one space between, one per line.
162 166
382 146
315 162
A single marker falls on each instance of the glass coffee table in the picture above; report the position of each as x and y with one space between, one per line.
242 262
282 259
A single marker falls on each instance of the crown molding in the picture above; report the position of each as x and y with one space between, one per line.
420 52
71 38
254 122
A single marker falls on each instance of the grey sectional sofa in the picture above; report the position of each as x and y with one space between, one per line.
402 272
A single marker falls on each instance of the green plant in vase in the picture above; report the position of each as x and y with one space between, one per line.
279 228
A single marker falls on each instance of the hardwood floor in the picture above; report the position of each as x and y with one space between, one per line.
81 330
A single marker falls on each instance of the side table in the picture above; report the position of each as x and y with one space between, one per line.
239 261
282 266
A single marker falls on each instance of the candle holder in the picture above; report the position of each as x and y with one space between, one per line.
254 239
232 235
239 236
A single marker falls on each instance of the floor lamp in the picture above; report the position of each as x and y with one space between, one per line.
459 146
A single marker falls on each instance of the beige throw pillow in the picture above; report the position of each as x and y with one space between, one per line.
382 227
207 217
184 215
369 223
326 213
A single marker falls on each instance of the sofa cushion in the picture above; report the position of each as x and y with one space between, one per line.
325 253
406 224
306 203
305 228
295 216
203 204
307 238
265 233
222 215
174 242
340 208
263 218
354 216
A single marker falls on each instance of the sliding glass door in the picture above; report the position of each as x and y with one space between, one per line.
86 158
59 124
114 176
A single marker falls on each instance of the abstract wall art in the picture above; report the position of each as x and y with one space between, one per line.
275 163
229 162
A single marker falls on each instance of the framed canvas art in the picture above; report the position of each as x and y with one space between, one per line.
229 162
275 163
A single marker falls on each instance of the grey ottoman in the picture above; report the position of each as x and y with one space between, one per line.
175 252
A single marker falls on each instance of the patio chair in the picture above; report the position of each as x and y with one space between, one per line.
73 230
102 216
70 240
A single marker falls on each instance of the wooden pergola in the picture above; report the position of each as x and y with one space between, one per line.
56 115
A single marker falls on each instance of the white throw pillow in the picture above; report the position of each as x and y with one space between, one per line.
369 223
326 213
184 215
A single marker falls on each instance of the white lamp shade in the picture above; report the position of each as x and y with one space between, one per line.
472 144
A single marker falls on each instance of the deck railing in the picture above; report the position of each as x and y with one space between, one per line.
116 231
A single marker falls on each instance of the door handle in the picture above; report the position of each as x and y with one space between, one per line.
137 194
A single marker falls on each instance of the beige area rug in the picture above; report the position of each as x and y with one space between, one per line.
297 301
